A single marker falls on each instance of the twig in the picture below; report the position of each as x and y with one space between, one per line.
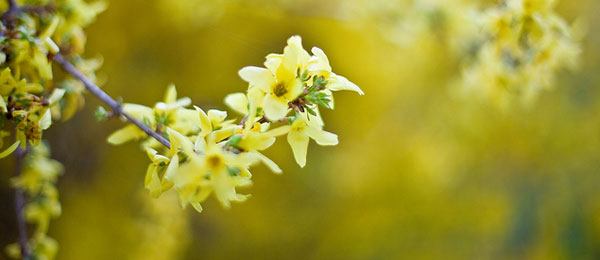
12 4
10 14
20 205
108 100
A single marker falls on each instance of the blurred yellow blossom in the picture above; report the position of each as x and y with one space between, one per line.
524 45
38 180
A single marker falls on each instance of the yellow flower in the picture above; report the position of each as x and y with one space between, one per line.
523 39
214 123
153 181
170 113
209 168
307 127
42 246
38 170
238 102
279 82
249 105
259 137
319 65
46 207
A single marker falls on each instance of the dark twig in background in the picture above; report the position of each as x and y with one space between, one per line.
20 205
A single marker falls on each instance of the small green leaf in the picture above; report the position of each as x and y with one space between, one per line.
234 140
233 171
146 121
310 111
100 113
258 111
162 119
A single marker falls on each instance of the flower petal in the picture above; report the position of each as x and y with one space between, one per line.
279 131
46 120
216 116
172 168
258 77
273 61
139 111
268 162
287 70
298 140
171 94
10 149
152 181
125 134
205 124
275 108
322 137
303 56
180 142
337 83
294 89
197 206
319 62
56 95
2 105
238 102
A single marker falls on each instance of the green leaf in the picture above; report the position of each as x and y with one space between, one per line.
234 140
162 119
310 111
146 121
100 113
233 171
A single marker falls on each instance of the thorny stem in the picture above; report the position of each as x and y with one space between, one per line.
108 100
20 205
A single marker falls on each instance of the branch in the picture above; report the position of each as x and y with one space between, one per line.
108 100
12 4
20 205
10 15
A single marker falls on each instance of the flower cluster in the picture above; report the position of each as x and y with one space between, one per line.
510 51
524 44
31 96
38 180
409 23
211 154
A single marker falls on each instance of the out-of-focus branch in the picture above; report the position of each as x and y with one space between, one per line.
108 100
20 205
12 4
10 14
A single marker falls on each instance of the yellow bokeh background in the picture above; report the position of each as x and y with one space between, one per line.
418 173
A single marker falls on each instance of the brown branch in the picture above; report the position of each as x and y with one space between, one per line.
20 205
108 100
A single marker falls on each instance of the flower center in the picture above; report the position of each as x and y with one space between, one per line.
214 161
280 89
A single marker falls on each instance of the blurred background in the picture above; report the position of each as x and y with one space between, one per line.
418 173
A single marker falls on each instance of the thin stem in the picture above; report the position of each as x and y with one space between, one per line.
9 17
12 5
20 205
13 8
108 100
